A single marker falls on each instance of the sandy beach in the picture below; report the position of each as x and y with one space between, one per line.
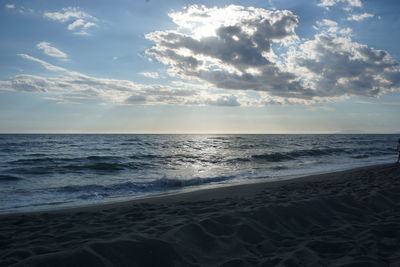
347 218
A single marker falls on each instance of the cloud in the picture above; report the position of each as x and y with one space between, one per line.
70 87
19 9
336 66
152 75
9 6
234 48
328 23
358 17
332 27
51 51
27 83
46 65
330 3
80 23
66 14
78 20
136 99
224 101
230 47
234 56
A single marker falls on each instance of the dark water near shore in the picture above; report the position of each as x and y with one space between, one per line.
50 171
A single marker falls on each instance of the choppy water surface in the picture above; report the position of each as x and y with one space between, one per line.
51 171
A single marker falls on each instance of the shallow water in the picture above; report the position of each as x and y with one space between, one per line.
51 171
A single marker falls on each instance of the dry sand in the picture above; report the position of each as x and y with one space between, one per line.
349 218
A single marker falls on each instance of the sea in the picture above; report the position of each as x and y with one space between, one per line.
53 171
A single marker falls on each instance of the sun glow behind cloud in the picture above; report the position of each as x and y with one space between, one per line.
236 53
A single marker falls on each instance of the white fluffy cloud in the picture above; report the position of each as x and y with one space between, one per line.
9 6
78 21
51 51
67 14
331 27
230 48
358 17
152 75
233 48
335 66
330 3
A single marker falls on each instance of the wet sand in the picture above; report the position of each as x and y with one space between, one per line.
347 218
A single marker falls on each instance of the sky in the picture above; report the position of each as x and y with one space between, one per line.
186 66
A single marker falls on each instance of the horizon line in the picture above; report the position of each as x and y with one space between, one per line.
196 133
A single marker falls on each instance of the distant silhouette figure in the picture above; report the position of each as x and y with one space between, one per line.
398 151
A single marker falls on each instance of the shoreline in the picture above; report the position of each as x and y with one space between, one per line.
175 194
338 218
203 194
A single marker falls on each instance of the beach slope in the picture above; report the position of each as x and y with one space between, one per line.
348 218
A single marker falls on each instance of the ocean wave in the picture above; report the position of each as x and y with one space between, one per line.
40 158
248 146
36 170
295 154
171 183
5 177
97 158
371 151
127 144
100 166
33 161
155 185
103 167
133 140
7 150
145 156
109 166
278 168
36 155
318 152
364 156
218 138
278 157
272 157
176 158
